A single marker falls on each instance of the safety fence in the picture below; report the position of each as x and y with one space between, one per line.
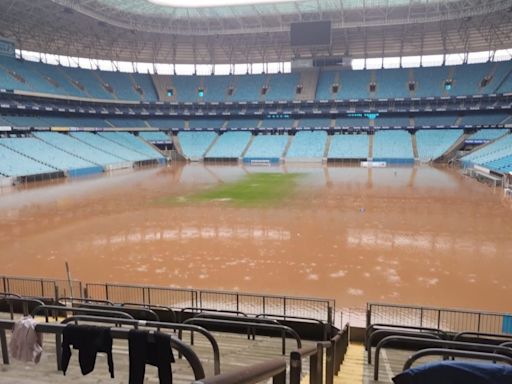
40 287
447 319
177 298
249 303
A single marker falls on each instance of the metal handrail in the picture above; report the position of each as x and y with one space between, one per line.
155 306
275 369
436 343
58 308
386 332
235 324
284 317
453 310
25 303
296 364
116 333
455 353
148 313
203 309
158 325
477 334
304 319
10 294
372 327
84 300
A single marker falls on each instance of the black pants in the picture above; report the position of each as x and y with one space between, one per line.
150 348
89 340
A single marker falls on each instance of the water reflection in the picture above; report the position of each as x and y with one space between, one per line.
189 233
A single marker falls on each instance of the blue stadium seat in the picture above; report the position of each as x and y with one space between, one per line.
195 144
230 145
155 136
348 147
392 146
80 149
111 147
432 144
14 164
267 147
133 143
51 156
307 146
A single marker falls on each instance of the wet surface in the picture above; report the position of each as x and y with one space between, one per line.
405 235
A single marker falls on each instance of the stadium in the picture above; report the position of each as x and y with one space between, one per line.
243 191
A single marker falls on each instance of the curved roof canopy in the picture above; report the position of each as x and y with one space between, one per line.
164 32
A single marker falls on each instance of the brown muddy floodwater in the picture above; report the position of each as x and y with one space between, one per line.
419 235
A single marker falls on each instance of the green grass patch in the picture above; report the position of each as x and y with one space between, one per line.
253 190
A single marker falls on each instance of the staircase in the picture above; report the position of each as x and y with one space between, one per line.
327 146
370 147
247 146
287 147
162 84
72 82
211 145
415 147
451 153
309 82
352 369
178 150
103 82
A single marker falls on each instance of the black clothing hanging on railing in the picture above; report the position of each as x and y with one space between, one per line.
150 348
89 340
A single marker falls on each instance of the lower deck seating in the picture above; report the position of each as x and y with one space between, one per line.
79 148
15 164
155 136
267 147
487 134
111 147
230 145
50 155
133 143
433 143
348 147
494 151
307 145
195 144
392 146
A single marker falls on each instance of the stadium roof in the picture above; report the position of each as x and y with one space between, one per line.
151 31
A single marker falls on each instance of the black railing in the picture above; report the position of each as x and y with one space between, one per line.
117 333
335 350
175 298
453 320
436 343
158 326
249 326
274 369
456 353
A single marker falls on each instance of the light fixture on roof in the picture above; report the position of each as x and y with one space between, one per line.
213 3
